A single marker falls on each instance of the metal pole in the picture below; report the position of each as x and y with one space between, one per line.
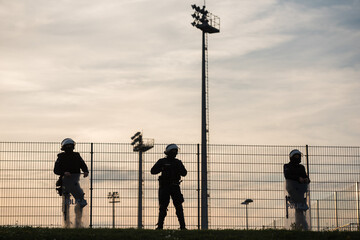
204 194
113 199
91 182
358 205
247 224
307 159
140 191
317 214
308 191
336 215
198 183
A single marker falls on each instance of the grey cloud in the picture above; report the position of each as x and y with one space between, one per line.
116 66
321 3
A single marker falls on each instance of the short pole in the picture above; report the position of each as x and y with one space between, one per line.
113 198
91 183
317 214
140 193
247 223
358 205
198 184
336 213
113 208
246 203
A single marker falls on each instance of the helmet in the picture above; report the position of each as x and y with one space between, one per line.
171 147
295 152
67 141
295 156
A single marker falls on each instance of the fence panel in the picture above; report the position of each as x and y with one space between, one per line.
334 172
238 173
235 173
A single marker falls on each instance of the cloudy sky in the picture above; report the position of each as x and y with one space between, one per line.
280 71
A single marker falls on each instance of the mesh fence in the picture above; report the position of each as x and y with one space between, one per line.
235 173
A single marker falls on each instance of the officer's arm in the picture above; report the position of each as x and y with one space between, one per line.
182 169
83 165
57 168
304 175
157 168
303 172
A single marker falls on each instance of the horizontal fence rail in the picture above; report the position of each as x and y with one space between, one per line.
235 173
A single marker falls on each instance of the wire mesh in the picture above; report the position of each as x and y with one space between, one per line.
235 173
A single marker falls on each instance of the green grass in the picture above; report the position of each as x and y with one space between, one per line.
29 233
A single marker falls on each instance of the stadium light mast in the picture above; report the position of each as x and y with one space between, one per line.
113 199
207 23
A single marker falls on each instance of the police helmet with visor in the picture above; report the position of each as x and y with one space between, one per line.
67 142
171 147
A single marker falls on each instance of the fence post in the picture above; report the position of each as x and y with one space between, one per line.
140 196
308 192
198 184
318 215
358 205
336 215
91 182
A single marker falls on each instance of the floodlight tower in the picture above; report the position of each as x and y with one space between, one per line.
207 23
113 199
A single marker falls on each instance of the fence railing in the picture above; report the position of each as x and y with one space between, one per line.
235 173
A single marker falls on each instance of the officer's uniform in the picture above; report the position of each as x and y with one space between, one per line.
71 162
292 172
169 185
296 190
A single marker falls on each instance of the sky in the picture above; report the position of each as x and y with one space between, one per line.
280 71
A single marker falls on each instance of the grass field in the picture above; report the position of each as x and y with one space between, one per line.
28 233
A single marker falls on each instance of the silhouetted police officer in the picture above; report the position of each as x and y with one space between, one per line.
171 170
297 182
68 165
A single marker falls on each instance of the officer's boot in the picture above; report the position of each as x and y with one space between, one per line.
162 215
180 216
